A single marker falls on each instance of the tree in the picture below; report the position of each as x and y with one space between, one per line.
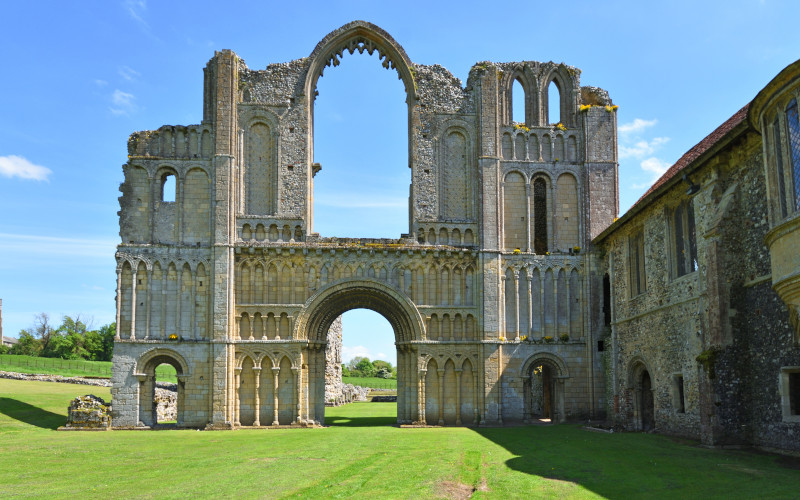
27 345
44 332
353 363
366 368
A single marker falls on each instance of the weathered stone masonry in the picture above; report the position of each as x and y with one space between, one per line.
703 279
493 295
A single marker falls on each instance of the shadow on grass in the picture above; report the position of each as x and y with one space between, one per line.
362 415
340 421
602 463
31 415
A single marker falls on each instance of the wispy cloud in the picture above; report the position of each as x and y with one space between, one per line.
128 73
100 83
635 144
17 166
641 148
636 126
136 9
351 352
123 103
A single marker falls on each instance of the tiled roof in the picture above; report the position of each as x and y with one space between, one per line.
699 148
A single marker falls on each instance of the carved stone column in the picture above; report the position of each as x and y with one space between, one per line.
440 373
238 377
257 396
276 370
133 304
458 395
297 399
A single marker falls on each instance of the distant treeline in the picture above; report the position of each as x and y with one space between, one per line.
72 339
361 366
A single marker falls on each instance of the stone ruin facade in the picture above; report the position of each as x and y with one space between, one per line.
493 294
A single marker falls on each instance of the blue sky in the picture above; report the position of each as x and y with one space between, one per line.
79 77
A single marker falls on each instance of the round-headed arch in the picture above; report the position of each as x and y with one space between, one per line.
343 295
545 358
148 361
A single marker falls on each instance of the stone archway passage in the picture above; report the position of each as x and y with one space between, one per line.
146 374
543 386
330 303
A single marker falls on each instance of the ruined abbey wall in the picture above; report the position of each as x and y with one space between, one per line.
493 294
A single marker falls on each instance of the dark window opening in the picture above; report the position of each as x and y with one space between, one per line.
638 280
794 393
601 346
681 404
684 240
606 300
539 216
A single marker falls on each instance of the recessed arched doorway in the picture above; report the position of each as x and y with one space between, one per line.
642 388
326 305
543 385
148 399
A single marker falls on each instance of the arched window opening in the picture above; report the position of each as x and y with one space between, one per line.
553 103
517 102
169 188
361 143
368 358
539 216
793 124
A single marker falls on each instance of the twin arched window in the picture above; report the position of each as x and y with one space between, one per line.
522 107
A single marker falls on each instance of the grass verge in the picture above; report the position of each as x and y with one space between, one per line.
373 382
360 456
70 367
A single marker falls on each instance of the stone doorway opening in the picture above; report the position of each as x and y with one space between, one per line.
361 368
544 377
643 400
646 403
161 390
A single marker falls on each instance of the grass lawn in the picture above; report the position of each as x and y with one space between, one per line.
70 367
360 455
374 382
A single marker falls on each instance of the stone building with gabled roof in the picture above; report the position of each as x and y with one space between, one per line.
699 286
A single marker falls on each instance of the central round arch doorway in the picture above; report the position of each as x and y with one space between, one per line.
329 303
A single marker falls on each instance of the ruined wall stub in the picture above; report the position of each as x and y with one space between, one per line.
494 277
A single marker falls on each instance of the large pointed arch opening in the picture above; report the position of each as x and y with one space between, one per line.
359 136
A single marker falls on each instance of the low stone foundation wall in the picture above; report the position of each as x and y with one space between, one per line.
349 394
100 382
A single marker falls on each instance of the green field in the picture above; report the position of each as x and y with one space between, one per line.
373 382
360 455
70 367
